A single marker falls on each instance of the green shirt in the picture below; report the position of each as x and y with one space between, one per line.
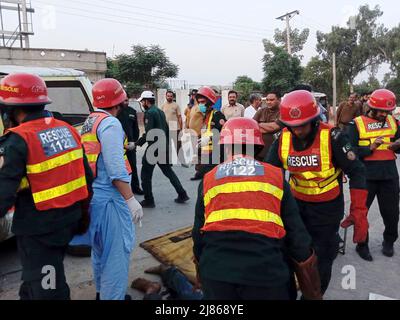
154 118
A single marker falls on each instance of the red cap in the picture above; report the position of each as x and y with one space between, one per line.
208 93
241 131
298 108
382 99
108 93
23 89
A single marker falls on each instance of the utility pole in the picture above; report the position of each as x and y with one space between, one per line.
287 17
334 84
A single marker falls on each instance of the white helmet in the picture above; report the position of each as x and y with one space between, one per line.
146 95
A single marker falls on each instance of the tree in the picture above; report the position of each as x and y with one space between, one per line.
297 39
356 47
389 47
245 86
318 73
367 86
146 66
282 71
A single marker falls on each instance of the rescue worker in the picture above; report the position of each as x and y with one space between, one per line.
154 119
244 212
44 173
113 206
376 138
211 122
315 154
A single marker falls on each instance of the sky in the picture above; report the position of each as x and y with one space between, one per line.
212 41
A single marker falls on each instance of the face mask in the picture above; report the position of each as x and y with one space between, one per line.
202 108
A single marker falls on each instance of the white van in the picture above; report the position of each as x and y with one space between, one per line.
71 94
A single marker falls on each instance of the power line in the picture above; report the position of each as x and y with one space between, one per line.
155 27
187 18
158 23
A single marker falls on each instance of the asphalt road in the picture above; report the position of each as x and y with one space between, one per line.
382 276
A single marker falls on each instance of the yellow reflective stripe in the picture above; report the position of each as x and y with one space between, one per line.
24 184
209 121
315 190
245 214
55 162
364 134
312 183
308 175
92 157
364 143
89 137
125 157
59 191
285 146
248 186
324 150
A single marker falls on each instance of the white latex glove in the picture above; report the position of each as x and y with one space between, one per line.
204 141
136 209
130 146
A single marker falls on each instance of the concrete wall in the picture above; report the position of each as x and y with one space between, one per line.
94 64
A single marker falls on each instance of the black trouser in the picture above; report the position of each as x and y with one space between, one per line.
326 246
42 259
387 192
147 174
218 290
135 184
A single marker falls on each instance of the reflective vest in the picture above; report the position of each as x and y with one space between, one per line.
92 144
313 178
244 195
55 173
208 133
369 129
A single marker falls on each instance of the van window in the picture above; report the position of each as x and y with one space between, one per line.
68 97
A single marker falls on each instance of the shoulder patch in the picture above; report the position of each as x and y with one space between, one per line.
351 156
336 133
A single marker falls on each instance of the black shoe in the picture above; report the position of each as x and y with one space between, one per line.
182 198
387 249
97 296
363 252
196 177
128 297
147 204
138 192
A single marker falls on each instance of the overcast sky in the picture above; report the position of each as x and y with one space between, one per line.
212 41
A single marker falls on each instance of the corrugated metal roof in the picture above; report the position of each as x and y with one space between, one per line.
41 71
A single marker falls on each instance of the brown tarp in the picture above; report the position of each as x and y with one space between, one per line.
174 248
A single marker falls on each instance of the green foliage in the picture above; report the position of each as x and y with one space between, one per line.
367 86
282 71
297 39
356 47
393 84
245 86
146 66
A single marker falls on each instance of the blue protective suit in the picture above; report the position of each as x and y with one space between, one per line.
112 232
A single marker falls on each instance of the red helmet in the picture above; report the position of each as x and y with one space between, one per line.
108 93
382 99
208 93
23 89
298 108
241 131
